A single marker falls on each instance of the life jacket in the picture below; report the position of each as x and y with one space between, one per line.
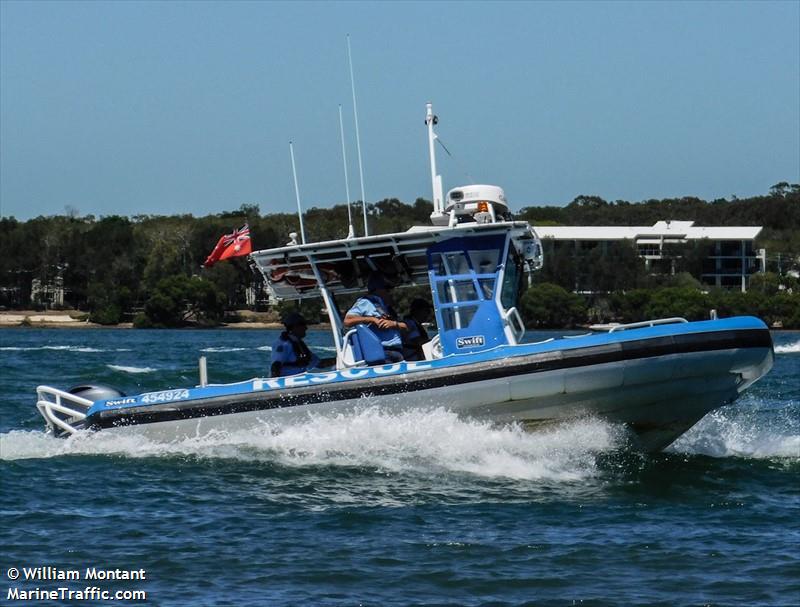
418 325
301 352
413 351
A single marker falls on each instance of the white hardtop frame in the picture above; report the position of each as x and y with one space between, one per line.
325 269
310 266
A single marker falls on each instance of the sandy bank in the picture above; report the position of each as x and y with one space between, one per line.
64 320
33 318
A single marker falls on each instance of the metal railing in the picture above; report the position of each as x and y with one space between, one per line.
514 320
64 413
648 323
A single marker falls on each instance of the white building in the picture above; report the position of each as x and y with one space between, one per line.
50 294
731 262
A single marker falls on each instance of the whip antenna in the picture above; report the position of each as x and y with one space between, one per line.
350 231
297 194
444 147
358 138
470 178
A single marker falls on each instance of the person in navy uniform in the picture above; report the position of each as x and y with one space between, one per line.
290 354
375 311
416 335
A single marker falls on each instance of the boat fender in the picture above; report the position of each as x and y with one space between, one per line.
95 392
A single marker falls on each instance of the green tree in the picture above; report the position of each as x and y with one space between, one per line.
767 283
611 266
681 302
311 309
551 306
179 300
784 310
560 266
107 302
629 306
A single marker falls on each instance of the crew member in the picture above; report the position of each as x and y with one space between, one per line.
290 354
416 335
375 311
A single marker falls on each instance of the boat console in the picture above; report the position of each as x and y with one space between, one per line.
474 285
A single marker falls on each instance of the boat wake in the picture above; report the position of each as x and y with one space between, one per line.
126 369
434 441
225 349
81 349
720 435
323 348
790 348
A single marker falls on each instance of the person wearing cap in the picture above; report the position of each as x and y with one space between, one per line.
415 335
290 354
375 311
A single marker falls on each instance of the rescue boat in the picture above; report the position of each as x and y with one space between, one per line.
657 377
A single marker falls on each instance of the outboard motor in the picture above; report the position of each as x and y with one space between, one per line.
95 392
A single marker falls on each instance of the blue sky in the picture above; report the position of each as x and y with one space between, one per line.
171 107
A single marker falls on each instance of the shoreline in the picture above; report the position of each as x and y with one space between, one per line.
61 320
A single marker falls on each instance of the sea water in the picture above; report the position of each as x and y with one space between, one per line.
382 508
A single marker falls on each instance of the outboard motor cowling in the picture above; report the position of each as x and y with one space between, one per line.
95 392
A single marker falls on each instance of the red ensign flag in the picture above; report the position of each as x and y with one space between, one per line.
235 244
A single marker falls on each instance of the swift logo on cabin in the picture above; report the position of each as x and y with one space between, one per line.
470 342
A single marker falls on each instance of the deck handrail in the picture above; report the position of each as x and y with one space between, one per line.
648 323
519 330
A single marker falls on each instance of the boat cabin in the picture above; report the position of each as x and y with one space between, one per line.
475 272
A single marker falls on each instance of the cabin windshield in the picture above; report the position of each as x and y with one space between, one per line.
512 280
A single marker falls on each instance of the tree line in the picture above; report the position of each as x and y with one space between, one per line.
549 306
148 267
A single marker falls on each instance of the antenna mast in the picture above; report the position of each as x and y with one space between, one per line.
436 180
350 231
297 194
358 138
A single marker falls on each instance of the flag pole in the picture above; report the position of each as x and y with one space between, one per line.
350 231
358 138
297 194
